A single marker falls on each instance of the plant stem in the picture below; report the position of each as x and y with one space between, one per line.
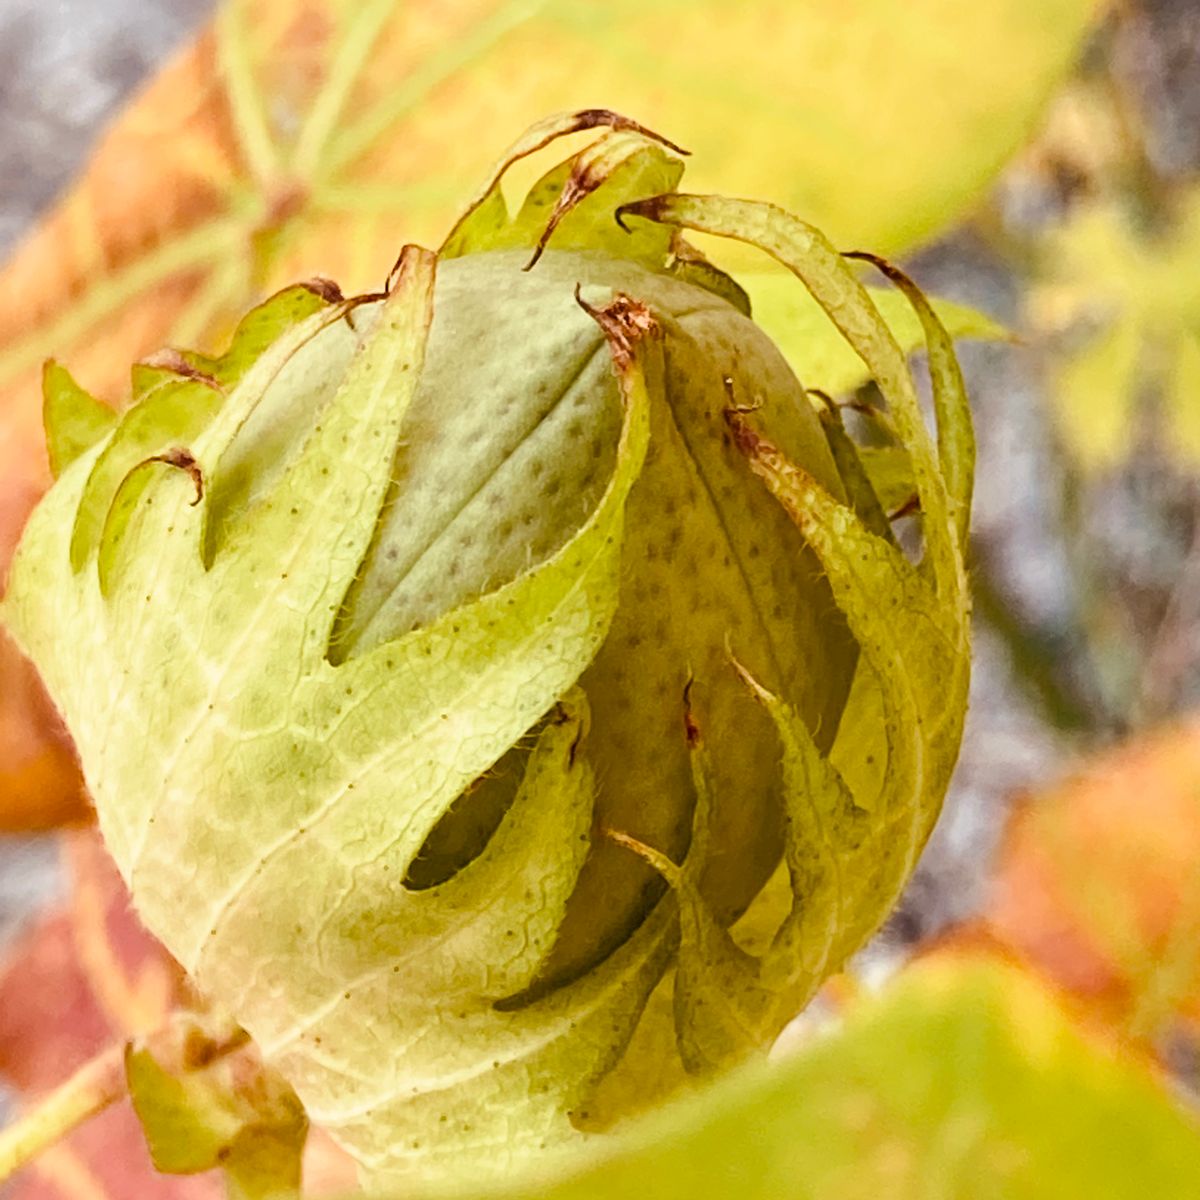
89 1091
246 103
361 35
183 1042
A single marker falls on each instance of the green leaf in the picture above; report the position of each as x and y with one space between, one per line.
74 419
882 124
1120 303
817 352
231 1114
960 1080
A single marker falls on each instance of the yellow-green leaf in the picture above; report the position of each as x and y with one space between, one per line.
1095 392
959 1081
1120 304
75 420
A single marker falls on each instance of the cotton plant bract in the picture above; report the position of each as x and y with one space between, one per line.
452 665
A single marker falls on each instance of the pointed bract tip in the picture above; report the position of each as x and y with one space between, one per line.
669 870
406 262
594 118
881 264
625 323
651 209
691 727
183 460
324 288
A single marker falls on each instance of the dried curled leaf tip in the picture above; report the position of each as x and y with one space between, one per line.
625 321
183 460
749 442
179 364
324 289
592 118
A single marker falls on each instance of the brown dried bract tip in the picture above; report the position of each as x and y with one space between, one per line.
348 306
744 437
183 460
625 322
177 364
191 1047
893 273
586 176
594 118
581 183
650 208
691 727
907 509
326 289
393 276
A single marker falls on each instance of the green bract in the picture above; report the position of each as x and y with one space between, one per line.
445 664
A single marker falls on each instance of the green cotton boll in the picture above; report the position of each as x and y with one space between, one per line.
450 667
507 446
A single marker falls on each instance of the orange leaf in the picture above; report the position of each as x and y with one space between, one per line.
1097 883
39 779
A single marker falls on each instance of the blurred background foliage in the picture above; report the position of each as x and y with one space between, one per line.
1035 162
